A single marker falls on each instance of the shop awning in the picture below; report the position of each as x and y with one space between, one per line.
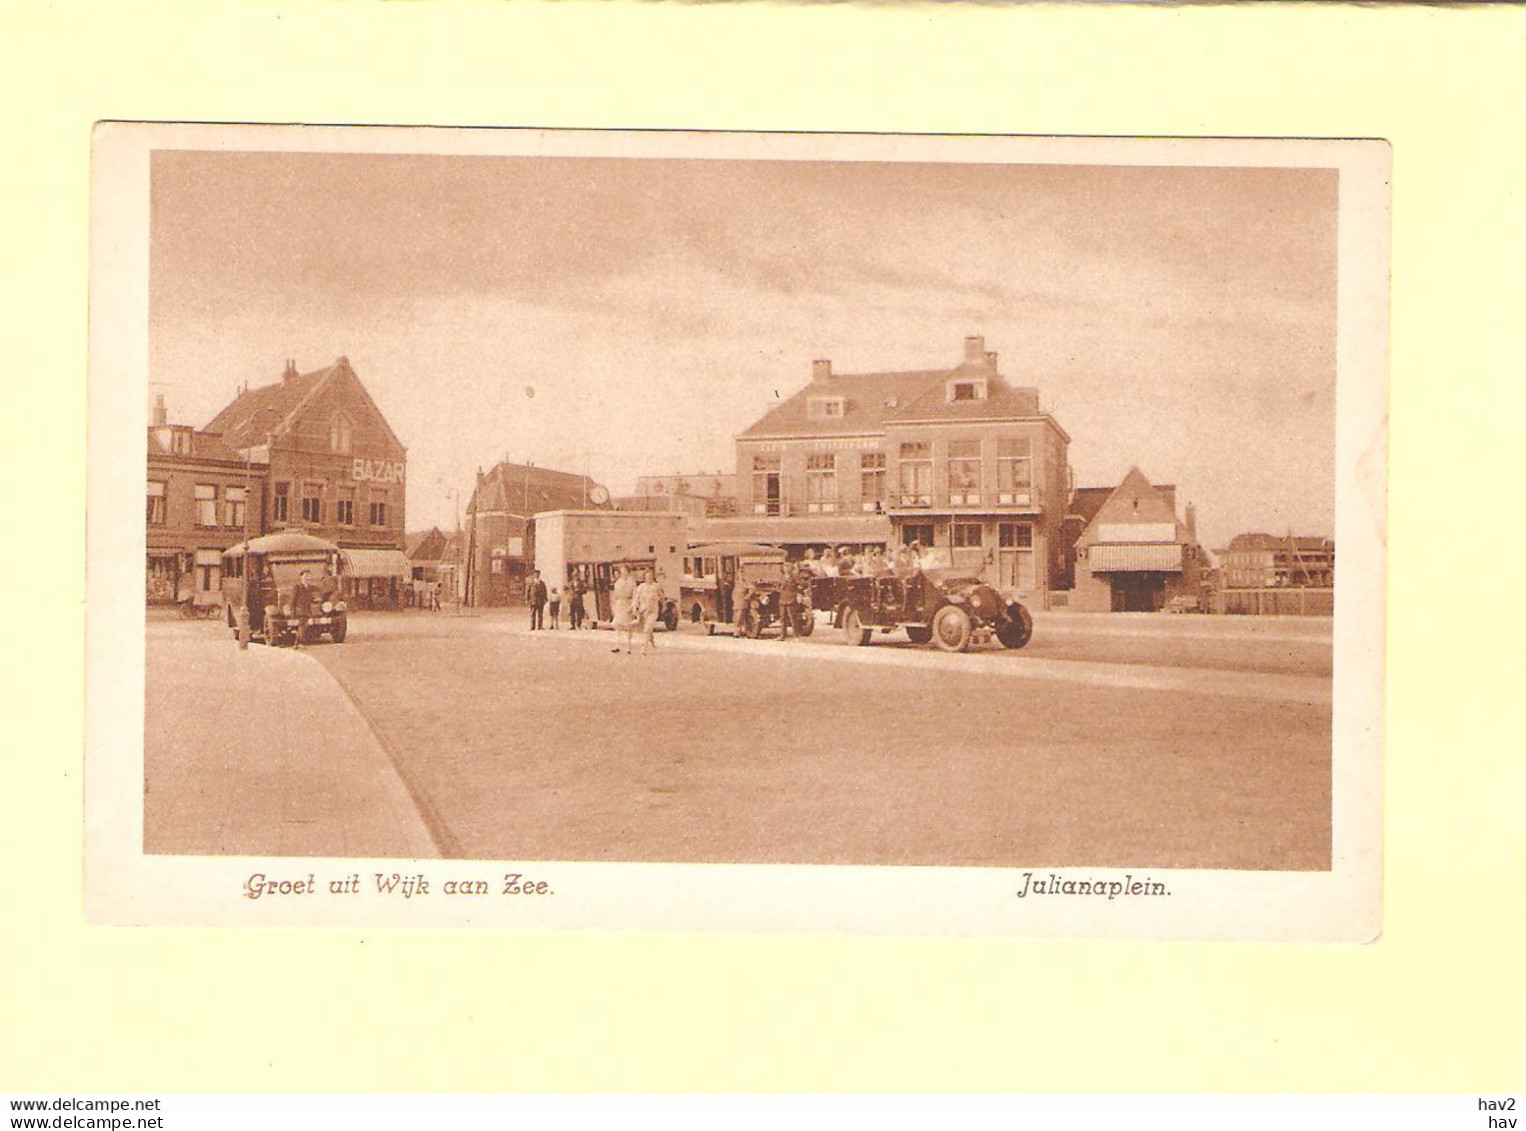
1154 557
375 563
209 557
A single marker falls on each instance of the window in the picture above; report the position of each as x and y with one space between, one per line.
967 535
280 503
821 483
234 505
379 512
964 473
180 441
312 503
1016 562
1015 536
767 496
1014 471
340 434
156 508
920 532
344 507
916 475
966 391
871 476
825 408
206 504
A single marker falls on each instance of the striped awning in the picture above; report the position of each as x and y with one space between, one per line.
375 563
1153 557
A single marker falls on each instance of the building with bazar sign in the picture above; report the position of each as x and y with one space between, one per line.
959 459
333 468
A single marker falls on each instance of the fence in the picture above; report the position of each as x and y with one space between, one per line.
1292 602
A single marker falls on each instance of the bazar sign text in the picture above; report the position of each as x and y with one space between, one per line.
377 471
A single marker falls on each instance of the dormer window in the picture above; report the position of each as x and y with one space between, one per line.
340 434
966 390
825 408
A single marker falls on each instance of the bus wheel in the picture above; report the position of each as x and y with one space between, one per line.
853 630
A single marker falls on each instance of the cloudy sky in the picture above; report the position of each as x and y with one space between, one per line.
630 316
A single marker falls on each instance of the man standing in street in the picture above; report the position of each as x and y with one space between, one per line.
301 606
535 597
789 595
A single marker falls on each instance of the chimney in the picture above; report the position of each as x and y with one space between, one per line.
821 369
991 360
290 370
1190 522
975 350
161 414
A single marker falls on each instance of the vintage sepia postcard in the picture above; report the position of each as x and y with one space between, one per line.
916 535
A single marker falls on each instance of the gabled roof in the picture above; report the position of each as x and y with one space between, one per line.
1001 400
871 401
274 409
868 400
523 489
1136 500
426 545
267 409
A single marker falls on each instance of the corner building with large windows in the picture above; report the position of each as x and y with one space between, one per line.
957 459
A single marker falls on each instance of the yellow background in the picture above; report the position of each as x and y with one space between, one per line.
1435 1005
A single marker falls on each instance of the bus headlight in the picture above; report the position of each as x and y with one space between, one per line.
328 606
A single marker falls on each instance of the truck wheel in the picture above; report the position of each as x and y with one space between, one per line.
805 622
853 631
341 629
670 618
951 629
750 625
1020 631
918 633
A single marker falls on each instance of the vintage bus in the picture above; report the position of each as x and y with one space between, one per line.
258 577
733 586
591 546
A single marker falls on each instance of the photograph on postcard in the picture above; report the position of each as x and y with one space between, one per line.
809 506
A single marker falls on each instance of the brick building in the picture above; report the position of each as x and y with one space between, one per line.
954 458
500 527
333 468
198 492
1131 551
1265 561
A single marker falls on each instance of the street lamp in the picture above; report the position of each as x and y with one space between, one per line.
243 605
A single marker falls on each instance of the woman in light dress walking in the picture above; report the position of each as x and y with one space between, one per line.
646 607
621 596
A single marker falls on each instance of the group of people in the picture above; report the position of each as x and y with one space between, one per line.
635 606
423 595
538 597
635 603
872 562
